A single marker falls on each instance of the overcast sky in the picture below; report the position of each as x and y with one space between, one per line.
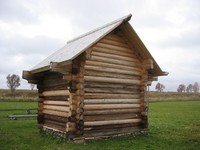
30 30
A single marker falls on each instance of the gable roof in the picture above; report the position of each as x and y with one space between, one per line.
75 47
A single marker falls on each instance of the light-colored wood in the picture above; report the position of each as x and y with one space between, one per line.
114 56
114 70
115 37
59 108
111 96
104 45
111 101
111 80
111 111
56 93
113 42
112 75
57 113
114 61
115 52
110 106
53 102
109 65
110 122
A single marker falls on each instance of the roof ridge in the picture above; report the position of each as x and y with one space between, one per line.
124 18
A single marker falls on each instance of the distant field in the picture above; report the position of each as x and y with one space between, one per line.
22 95
172 126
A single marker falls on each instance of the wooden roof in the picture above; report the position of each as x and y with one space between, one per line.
75 47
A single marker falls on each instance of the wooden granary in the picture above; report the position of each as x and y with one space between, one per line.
96 85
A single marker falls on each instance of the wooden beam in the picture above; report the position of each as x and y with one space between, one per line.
110 122
55 93
111 101
112 80
59 108
111 96
110 106
52 102
57 113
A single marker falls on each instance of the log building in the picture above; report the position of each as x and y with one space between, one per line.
96 85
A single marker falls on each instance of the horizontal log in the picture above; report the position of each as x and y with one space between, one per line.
59 108
114 56
112 111
112 75
55 122
110 122
110 106
70 77
114 61
104 45
108 85
57 113
109 65
55 118
112 80
51 102
55 127
56 93
114 70
116 126
111 101
111 90
111 117
111 96
119 43
115 37
110 132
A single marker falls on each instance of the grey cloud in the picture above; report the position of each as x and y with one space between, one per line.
16 11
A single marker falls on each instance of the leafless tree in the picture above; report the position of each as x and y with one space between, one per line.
13 81
159 87
196 87
181 88
189 88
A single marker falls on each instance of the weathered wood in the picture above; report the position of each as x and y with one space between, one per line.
114 61
109 65
52 102
111 117
70 77
119 43
111 80
104 45
59 108
55 118
112 111
110 106
114 70
114 56
111 101
57 113
110 122
56 93
109 132
54 126
108 85
112 75
109 90
110 96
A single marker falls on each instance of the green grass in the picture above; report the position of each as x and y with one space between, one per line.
172 125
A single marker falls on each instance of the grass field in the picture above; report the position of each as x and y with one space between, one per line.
172 125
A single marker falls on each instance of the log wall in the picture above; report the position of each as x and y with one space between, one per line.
55 104
114 93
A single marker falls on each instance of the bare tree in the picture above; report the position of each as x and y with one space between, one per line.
189 88
159 87
13 81
32 86
181 88
196 87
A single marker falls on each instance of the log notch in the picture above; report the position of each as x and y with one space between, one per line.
112 87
